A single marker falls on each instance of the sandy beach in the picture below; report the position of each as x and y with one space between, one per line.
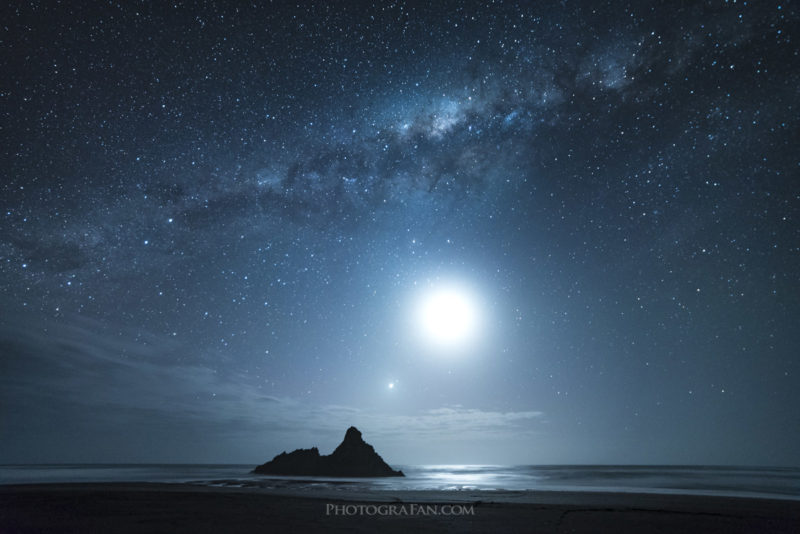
178 508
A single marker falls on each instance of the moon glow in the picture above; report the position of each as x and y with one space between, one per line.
448 317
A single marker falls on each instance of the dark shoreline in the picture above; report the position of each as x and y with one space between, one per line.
179 508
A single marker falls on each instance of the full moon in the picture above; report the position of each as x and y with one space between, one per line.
448 317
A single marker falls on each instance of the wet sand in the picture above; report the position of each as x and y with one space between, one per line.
181 508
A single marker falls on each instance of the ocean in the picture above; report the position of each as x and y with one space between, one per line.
771 482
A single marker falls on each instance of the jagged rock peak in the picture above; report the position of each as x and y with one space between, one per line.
354 457
353 434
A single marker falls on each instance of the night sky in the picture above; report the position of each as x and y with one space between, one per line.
220 227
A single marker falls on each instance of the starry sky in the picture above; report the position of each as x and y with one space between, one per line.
218 223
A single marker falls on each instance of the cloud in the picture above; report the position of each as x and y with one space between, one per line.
50 253
112 371
85 373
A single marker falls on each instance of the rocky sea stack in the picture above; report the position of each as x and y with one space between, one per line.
352 458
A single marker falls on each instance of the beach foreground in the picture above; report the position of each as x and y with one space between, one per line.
178 508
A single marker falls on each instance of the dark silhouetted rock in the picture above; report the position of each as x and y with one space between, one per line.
352 458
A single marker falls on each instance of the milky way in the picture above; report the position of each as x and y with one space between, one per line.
214 220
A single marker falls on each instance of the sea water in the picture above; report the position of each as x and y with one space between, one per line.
773 482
